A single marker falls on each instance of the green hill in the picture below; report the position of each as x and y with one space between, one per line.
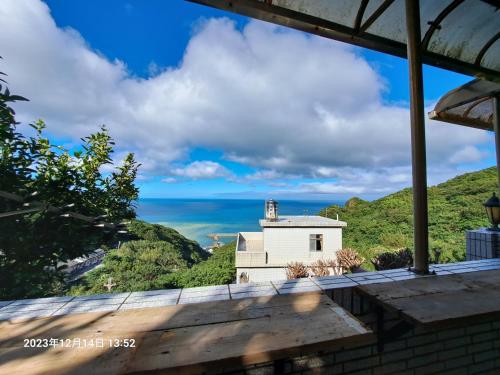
387 223
157 257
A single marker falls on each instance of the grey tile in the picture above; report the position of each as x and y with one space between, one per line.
32 307
151 299
199 299
5 303
47 300
299 289
462 270
240 288
139 297
104 296
27 314
94 303
203 288
331 279
375 281
328 286
488 267
66 310
197 292
409 277
145 304
393 271
162 292
292 283
268 290
256 293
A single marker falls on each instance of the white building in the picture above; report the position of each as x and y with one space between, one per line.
263 256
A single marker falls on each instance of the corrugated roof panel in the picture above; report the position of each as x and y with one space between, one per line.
455 32
461 36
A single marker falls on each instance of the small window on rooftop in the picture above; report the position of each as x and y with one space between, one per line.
316 242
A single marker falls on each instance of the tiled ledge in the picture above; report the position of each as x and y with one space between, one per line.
53 306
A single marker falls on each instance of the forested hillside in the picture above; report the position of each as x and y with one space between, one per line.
387 223
158 257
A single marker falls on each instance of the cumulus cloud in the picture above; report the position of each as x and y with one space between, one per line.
201 170
274 99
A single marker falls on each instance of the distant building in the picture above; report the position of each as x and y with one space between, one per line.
263 256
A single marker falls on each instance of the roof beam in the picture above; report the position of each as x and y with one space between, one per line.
359 16
436 24
375 15
485 48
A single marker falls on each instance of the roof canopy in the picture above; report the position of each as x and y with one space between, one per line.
458 35
469 105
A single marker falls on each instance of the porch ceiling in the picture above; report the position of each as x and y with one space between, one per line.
458 35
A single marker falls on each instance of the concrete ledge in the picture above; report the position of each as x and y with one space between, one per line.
44 307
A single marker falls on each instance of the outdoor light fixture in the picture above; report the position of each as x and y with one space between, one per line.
492 207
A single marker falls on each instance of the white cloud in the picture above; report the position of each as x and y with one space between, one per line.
467 154
271 98
201 170
169 180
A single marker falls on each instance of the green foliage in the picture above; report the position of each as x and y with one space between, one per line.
393 259
188 249
386 224
135 266
216 270
33 244
158 263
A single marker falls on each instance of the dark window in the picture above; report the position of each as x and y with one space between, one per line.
316 242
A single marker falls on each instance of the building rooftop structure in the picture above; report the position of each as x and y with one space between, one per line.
303 221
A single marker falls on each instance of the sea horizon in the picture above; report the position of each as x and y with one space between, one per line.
195 218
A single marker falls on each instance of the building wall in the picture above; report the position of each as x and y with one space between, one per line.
257 275
285 245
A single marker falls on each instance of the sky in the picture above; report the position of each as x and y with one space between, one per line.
215 105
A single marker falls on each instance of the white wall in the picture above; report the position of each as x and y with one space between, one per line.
257 275
285 245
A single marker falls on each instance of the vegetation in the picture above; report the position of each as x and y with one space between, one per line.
389 260
158 258
296 270
216 270
349 260
49 180
189 250
386 224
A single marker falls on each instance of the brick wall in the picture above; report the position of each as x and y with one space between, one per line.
472 348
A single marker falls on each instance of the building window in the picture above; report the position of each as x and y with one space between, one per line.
316 242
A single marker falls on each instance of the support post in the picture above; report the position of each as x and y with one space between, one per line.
496 127
420 218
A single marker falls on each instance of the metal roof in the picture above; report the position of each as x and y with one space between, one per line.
470 105
458 35
303 221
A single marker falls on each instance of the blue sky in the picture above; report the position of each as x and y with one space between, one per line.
215 105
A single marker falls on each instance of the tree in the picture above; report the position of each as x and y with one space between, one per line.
33 245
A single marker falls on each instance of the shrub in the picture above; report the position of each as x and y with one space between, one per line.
349 259
296 270
390 260
320 268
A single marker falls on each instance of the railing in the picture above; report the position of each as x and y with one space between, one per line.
77 269
250 258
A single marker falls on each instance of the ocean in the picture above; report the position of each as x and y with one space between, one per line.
196 218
